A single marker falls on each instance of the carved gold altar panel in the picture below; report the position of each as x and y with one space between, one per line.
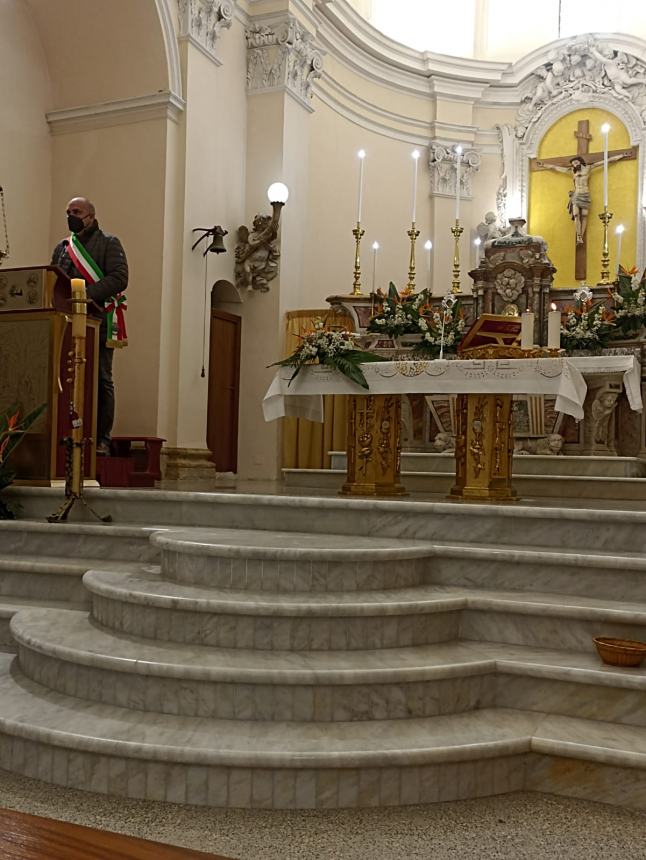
484 448
373 449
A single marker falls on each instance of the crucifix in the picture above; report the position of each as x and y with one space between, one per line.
580 166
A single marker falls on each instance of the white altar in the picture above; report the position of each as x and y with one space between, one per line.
485 388
565 377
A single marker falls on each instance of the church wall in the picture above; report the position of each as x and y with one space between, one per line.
119 169
387 207
25 155
214 157
100 51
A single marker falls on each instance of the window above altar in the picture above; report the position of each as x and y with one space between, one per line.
497 29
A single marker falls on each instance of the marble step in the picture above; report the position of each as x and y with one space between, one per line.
293 561
527 486
39 578
72 540
523 464
9 606
102 748
289 561
149 606
607 574
556 522
65 652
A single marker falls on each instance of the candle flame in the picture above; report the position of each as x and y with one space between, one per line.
605 128
361 153
477 241
458 149
375 246
553 306
428 244
415 154
620 229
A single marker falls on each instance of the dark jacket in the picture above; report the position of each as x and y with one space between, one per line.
107 252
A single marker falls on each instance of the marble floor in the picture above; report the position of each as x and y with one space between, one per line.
519 826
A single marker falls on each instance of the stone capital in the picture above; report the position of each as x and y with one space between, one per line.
442 163
283 55
202 22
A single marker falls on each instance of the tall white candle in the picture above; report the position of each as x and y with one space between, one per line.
428 247
458 164
554 328
477 242
375 248
415 156
527 330
620 232
361 155
605 129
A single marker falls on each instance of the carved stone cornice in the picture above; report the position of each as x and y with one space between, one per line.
202 22
283 55
442 162
582 70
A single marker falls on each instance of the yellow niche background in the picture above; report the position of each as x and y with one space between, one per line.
548 198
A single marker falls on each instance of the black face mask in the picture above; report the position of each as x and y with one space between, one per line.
75 223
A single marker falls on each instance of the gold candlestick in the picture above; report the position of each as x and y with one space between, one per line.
457 232
605 217
412 234
356 283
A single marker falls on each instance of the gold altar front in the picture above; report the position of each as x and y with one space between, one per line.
484 447
373 446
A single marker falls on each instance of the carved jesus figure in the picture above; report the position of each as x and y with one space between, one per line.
579 201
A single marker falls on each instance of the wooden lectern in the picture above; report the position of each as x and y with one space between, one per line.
35 337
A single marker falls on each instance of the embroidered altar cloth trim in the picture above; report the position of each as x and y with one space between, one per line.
559 376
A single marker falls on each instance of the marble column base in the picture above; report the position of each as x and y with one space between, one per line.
187 464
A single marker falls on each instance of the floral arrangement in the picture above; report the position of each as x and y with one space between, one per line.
397 314
629 299
336 349
586 326
13 426
442 328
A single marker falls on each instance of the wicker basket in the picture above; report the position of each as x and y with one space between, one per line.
620 652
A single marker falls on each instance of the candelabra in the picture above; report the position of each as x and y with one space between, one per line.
356 283
605 217
457 231
412 234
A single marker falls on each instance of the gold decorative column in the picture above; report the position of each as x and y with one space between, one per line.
373 446
484 446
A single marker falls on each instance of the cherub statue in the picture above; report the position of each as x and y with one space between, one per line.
614 65
257 254
488 229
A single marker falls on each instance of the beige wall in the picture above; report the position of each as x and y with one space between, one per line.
100 51
25 157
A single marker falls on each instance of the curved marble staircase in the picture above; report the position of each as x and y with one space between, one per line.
325 667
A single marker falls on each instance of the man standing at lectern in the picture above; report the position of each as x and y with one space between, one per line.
100 260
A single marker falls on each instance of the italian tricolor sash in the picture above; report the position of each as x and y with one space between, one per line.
115 306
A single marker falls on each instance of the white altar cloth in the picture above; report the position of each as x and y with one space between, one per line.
560 376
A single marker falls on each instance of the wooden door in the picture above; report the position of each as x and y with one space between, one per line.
224 390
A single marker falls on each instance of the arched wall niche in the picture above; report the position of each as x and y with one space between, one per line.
105 50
